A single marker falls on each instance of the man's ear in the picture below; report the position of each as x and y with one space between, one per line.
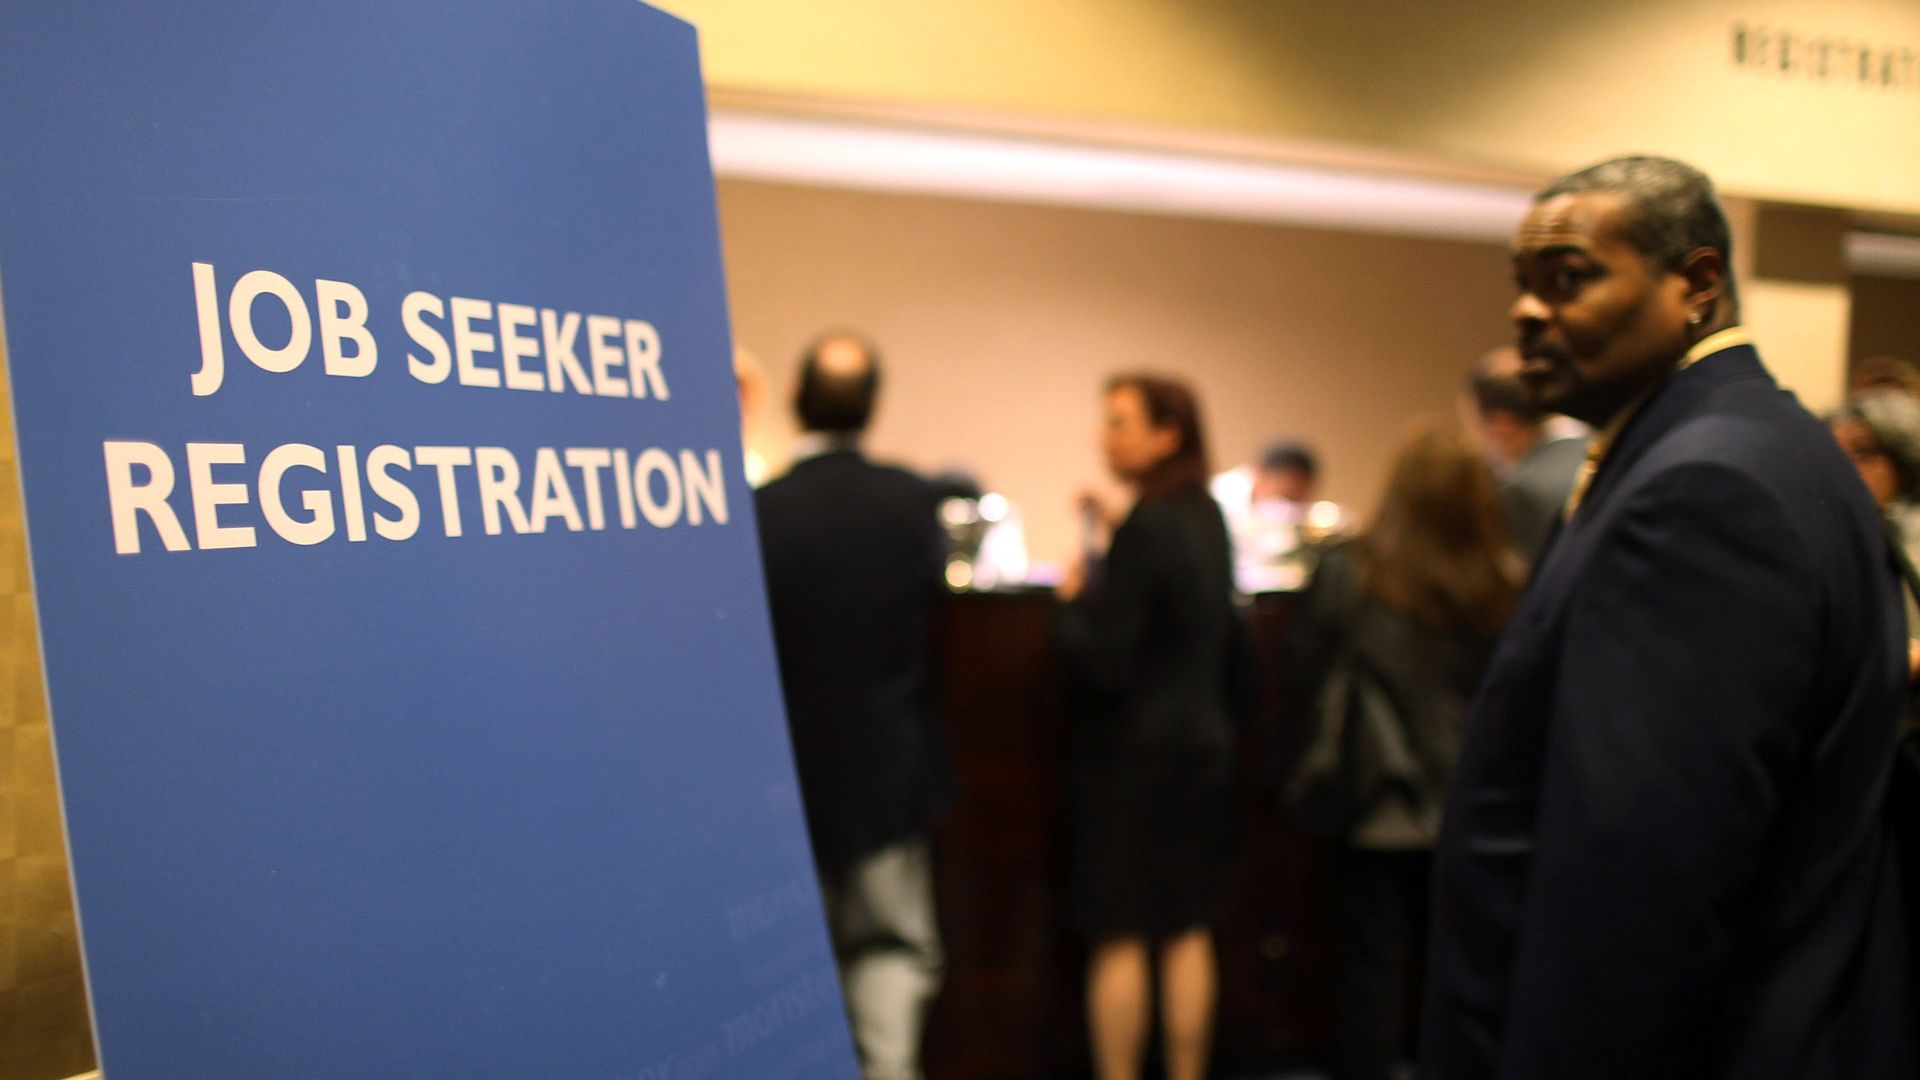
1705 272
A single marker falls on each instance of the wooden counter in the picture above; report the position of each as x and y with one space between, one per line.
1012 1005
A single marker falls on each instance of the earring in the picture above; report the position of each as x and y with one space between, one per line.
1694 318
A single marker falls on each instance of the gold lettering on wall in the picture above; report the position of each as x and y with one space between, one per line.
1825 58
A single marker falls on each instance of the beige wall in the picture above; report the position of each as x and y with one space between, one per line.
1791 267
1000 322
1503 83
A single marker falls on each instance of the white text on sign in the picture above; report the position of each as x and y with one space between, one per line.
479 343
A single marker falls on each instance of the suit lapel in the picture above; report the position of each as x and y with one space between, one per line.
1672 404
1682 398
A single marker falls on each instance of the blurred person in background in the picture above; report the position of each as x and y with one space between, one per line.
1273 517
1286 473
854 556
1289 472
1414 604
1148 632
1534 462
1880 431
750 382
1886 373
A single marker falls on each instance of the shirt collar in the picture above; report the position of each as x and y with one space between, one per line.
1715 342
813 444
1603 439
1719 341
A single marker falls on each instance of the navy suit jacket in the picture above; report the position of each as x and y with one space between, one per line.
1664 854
854 558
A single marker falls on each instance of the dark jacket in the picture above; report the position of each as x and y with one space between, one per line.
1536 489
1151 639
1664 854
1429 674
853 557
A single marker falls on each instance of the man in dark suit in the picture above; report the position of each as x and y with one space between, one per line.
1535 464
854 558
1664 853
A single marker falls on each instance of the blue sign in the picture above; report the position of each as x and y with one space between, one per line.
412 685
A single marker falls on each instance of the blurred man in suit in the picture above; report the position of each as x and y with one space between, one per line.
1665 852
1534 462
854 558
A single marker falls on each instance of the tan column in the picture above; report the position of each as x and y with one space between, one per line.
1791 263
43 1006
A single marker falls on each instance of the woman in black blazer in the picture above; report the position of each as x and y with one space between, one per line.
1148 633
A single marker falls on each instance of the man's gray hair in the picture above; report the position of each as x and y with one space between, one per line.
1892 419
1670 209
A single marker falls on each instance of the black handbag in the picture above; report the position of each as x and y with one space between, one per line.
1358 752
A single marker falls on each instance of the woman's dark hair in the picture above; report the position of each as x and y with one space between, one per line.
1438 551
1170 404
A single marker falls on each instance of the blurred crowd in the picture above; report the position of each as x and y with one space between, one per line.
1399 619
